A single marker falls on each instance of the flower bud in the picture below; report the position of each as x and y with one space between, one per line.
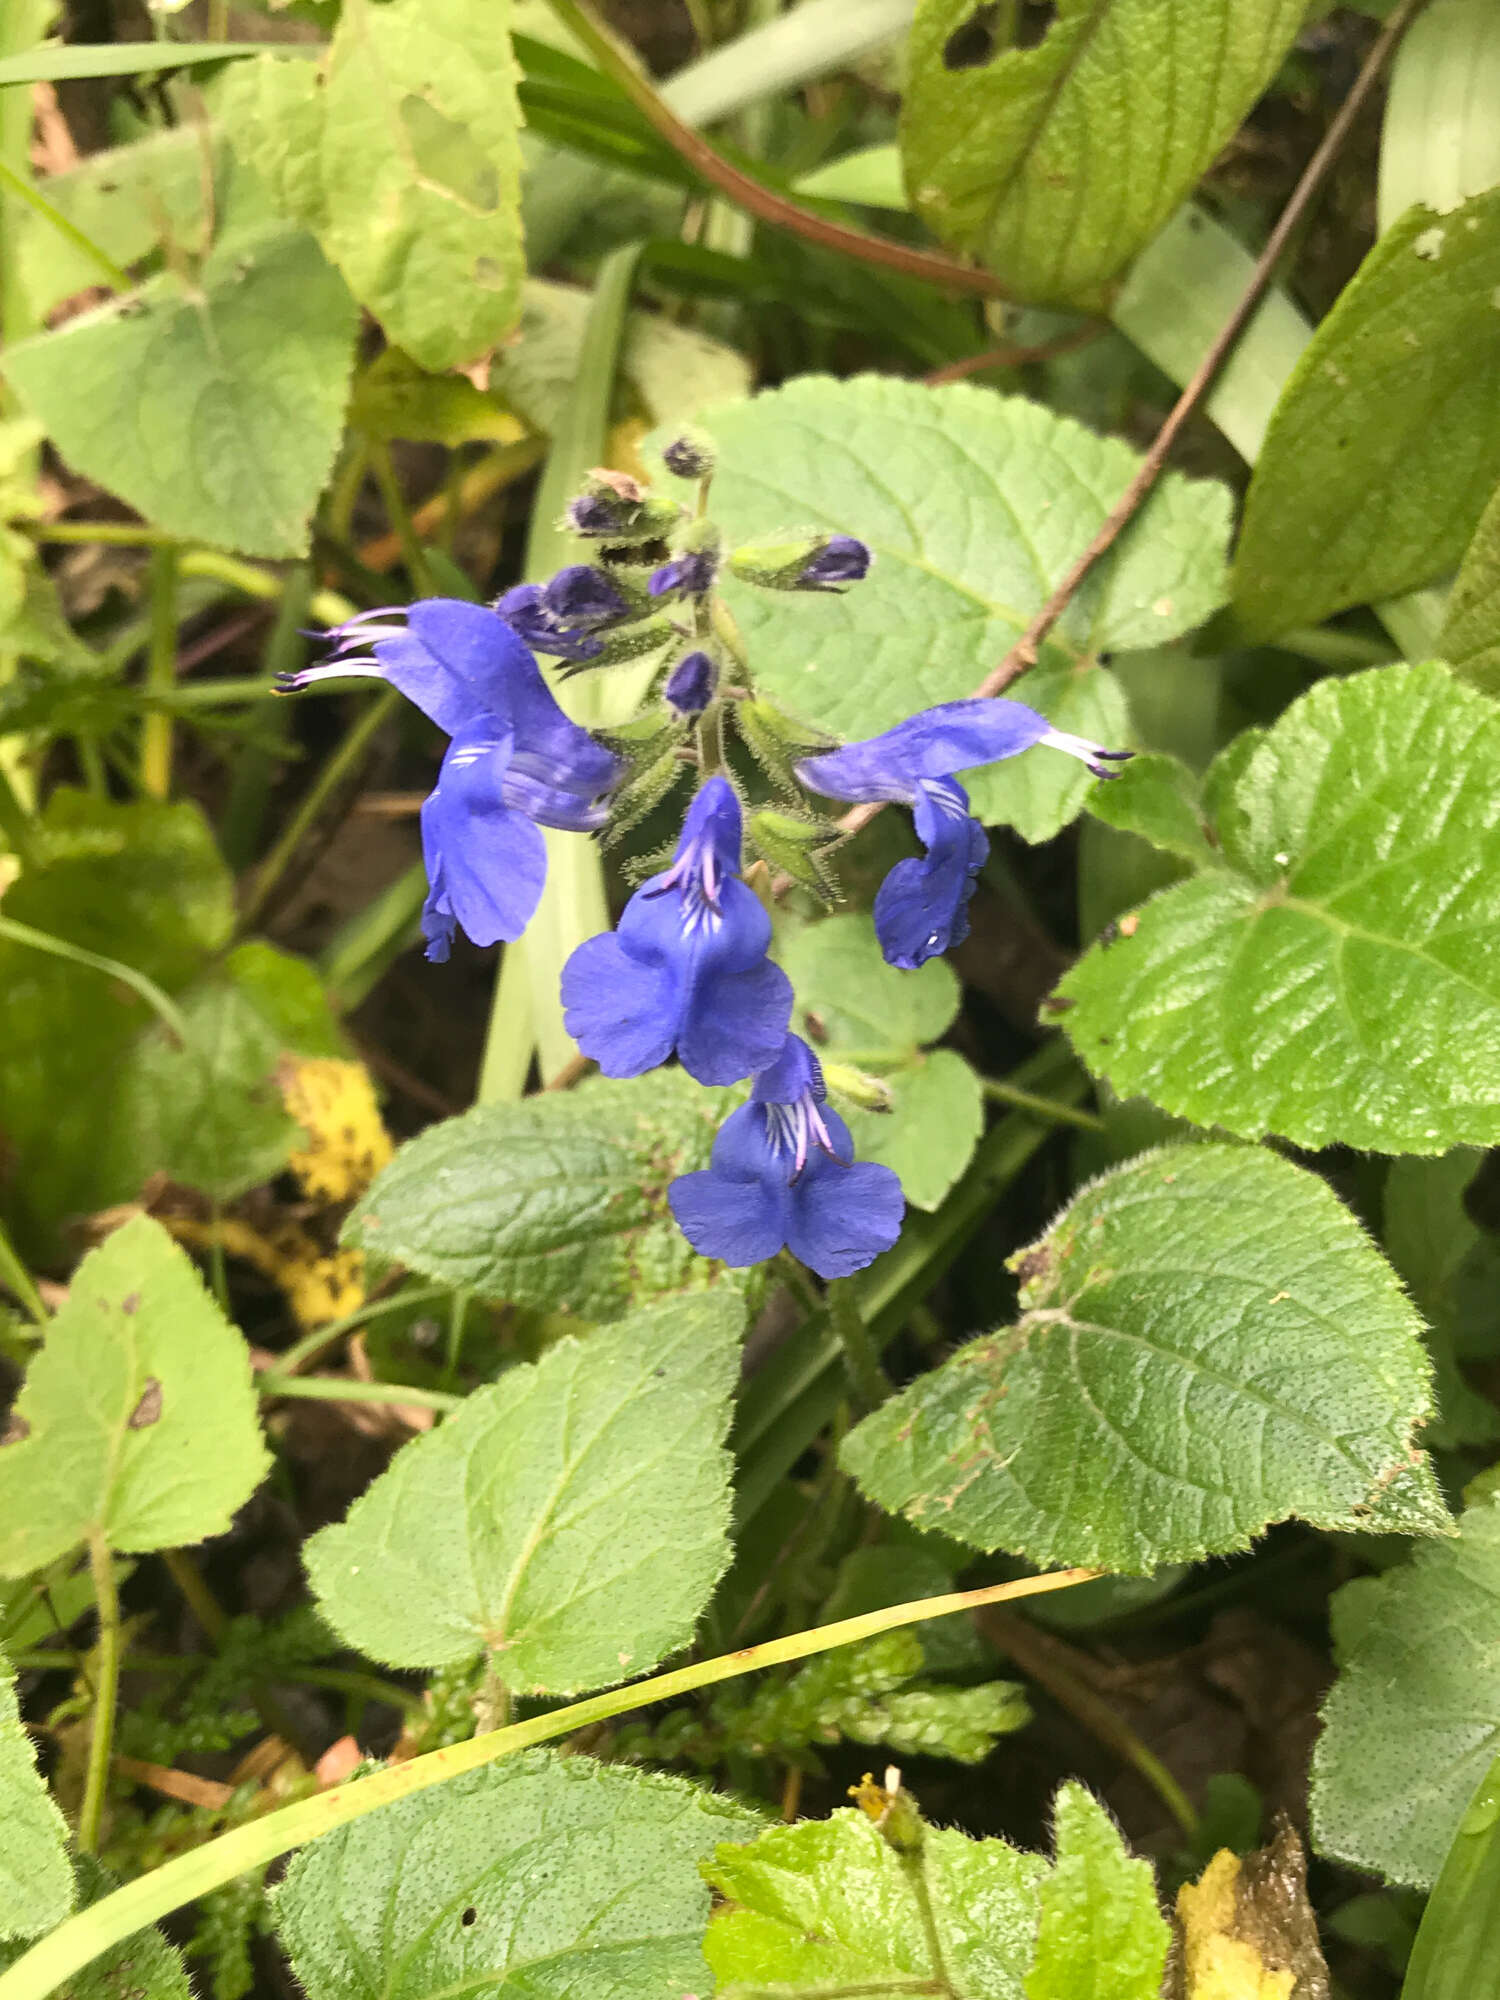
805 561
692 571
614 507
893 1810
691 456
870 1093
584 597
691 685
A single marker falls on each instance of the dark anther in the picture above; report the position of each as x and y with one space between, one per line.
971 45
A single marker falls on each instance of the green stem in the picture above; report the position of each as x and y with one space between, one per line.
861 1356
196 1594
14 1274
399 516
161 674
165 1010
120 1915
302 1351
1001 1091
16 823
360 952
914 1867
338 767
114 534
333 1389
22 189
101 1737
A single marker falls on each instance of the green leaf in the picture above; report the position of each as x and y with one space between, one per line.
143 883
1056 164
975 506
1440 144
871 177
143 1967
558 1202
1471 631
239 378
1143 1410
137 1419
1458 1944
210 1113
1452 1269
53 64
1157 797
1337 978
1102 1936
541 1876
572 1518
828 1904
1386 443
403 156
36 1876
1410 1727
857 1009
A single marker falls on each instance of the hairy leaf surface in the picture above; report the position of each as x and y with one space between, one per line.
827 1904
556 1202
36 1876
1102 1936
540 1876
137 1419
572 1518
1056 163
1208 1343
1385 445
856 1009
403 157
975 506
1337 976
1410 1727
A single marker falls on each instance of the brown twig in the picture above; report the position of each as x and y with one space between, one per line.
1017 357
1023 653
620 64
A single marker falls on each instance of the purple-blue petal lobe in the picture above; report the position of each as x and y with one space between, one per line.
485 862
954 736
621 1010
922 907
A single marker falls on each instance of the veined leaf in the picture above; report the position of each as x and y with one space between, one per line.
540 1875
1337 976
403 156
857 1009
1441 142
975 506
1471 632
1102 1936
36 1876
572 1518
559 1202
137 1419
1385 445
1140 1410
1055 164
828 1904
1410 1727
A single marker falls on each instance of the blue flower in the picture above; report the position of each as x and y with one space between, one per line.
783 1174
687 968
841 560
689 575
565 616
516 762
922 906
691 684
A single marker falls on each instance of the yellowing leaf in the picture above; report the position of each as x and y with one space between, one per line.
1247 1930
347 1143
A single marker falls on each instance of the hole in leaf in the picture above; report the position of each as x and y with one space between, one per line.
470 1916
972 43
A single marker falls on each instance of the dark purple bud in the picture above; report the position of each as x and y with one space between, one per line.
598 514
691 684
690 456
525 611
841 560
584 597
689 575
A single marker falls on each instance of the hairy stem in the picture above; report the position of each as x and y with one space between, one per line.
861 1356
1000 1091
105 1694
161 673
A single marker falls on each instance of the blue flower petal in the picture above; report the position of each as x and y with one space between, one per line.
737 1208
843 1217
922 907
485 862
621 1010
954 736
735 1022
